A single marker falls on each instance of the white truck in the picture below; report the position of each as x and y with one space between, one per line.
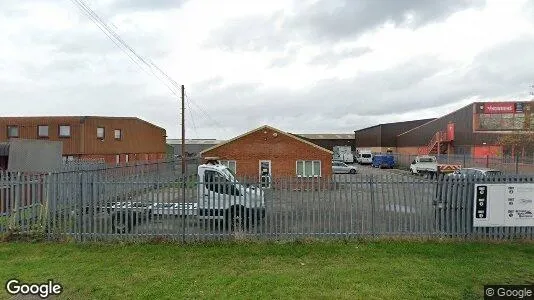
428 165
343 154
365 157
219 197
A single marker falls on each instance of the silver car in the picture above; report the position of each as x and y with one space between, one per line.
339 167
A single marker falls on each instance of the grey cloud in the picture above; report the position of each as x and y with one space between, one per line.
127 6
285 59
332 58
328 21
255 33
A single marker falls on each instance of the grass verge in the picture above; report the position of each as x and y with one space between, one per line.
379 270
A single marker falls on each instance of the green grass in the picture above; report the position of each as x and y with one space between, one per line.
370 270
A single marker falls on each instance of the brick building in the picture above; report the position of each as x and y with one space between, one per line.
267 151
116 140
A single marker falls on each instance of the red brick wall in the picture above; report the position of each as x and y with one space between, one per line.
266 144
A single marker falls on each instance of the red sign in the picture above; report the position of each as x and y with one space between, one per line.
499 108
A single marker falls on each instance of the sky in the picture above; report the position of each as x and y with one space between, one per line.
303 66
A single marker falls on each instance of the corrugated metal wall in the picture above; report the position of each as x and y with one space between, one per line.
138 136
421 136
28 129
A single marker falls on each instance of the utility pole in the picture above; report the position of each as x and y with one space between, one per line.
183 130
183 165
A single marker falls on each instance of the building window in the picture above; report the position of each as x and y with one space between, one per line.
117 159
12 131
68 158
231 164
308 168
64 131
118 134
100 133
42 130
126 158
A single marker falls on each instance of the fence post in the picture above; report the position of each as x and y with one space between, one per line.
371 190
517 164
183 185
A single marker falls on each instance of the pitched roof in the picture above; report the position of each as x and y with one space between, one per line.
194 141
327 136
270 128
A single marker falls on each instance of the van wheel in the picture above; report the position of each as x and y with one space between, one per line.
120 223
235 218
352 171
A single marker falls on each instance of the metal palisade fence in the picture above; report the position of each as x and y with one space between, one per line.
156 201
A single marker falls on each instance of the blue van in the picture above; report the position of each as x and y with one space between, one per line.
383 161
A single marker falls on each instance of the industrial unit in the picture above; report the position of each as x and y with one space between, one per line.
267 152
473 130
193 147
380 138
329 140
115 140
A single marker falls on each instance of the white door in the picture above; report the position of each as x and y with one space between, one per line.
265 173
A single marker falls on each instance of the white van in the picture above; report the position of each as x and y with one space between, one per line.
365 157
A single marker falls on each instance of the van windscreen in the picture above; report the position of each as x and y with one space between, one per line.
366 155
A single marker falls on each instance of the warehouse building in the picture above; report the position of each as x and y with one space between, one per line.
267 152
383 137
116 140
473 129
193 147
329 140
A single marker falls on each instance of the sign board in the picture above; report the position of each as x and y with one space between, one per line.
519 107
505 205
499 107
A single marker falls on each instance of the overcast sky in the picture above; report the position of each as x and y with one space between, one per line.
327 66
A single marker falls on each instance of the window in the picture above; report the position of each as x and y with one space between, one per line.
231 164
308 168
64 131
118 134
42 130
217 183
12 131
68 158
100 132
117 159
127 158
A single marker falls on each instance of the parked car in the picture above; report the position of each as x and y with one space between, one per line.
478 172
383 161
342 168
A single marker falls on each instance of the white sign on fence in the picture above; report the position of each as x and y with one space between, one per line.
503 205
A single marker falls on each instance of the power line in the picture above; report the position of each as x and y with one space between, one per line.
133 55
191 114
217 124
118 41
